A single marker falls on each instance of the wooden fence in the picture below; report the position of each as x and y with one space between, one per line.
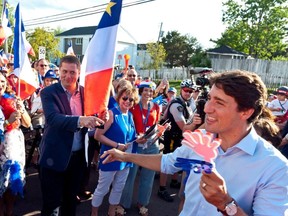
273 73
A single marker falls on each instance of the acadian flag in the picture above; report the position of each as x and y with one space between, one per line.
98 62
70 50
158 100
22 68
5 29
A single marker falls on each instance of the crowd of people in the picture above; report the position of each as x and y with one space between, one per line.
141 133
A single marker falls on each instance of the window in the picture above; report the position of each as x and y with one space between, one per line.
79 41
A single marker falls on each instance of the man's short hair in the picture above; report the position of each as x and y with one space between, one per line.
70 59
245 87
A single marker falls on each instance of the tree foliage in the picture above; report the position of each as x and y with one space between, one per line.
200 59
179 48
45 38
157 54
256 27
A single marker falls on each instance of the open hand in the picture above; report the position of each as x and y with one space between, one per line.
113 155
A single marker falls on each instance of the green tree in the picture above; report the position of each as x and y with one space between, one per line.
256 27
200 59
157 54
45 38
179 48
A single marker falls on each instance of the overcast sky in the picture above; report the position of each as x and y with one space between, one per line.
198 18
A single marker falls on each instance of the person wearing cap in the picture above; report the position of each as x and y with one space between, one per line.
171 94
145 115
279 106
178 113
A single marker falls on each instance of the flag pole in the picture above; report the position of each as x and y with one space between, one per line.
2 15
20 56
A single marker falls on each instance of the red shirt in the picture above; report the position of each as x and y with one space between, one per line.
140 116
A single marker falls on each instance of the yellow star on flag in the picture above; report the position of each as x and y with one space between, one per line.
108 9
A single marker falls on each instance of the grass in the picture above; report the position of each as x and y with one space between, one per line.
172 83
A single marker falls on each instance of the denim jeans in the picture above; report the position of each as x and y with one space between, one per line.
146 180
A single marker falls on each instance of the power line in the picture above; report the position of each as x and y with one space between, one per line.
69 12
77 13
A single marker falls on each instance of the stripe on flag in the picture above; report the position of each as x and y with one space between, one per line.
98 62
22 67
29 49
6 30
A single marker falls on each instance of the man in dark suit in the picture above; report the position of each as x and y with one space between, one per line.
62 155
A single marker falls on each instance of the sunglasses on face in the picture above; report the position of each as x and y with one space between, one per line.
131 75
188 90
42 65
126 98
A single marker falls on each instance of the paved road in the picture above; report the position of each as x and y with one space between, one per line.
30 205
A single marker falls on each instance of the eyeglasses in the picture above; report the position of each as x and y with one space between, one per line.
131 75
125 98
42 65
188 90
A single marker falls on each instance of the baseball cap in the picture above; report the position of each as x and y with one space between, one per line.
172 89
50 74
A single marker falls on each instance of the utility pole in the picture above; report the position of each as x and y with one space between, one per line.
160 32
159 36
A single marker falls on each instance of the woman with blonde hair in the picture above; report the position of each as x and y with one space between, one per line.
119 132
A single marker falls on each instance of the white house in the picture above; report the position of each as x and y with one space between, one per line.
80 37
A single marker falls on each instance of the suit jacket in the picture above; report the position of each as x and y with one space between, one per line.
60 125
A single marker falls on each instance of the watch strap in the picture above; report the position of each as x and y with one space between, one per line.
224 211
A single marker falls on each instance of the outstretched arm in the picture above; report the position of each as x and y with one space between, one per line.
151 161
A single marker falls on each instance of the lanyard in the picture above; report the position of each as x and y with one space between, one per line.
144 119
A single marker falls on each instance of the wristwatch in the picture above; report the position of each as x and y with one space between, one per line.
230 208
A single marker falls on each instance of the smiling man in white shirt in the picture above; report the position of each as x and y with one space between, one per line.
250 176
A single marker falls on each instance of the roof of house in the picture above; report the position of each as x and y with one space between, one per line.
225 50
86 30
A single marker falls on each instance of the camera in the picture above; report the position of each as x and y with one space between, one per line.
203 83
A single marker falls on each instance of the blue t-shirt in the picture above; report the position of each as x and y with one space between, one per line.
122 130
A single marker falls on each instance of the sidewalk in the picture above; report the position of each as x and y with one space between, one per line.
30 205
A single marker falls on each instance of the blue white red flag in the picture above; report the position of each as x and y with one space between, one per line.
6 30
22 68
98 62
